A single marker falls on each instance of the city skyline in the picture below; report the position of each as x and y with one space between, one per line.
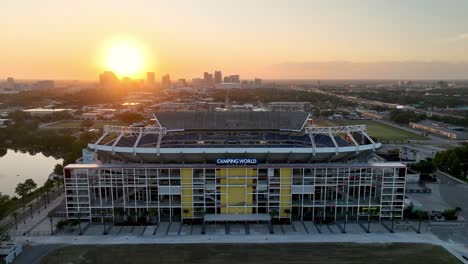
275 40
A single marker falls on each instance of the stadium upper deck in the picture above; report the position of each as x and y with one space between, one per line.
201 136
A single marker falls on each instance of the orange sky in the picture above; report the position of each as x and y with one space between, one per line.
65 40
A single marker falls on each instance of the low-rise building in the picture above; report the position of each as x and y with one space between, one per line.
8 252
441 129
417 153
46 111
290 106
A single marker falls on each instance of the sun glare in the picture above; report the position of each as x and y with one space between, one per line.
125 59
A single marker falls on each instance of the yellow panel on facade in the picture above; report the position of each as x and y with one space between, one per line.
187 191
285 192
237 190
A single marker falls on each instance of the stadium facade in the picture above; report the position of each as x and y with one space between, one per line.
223 166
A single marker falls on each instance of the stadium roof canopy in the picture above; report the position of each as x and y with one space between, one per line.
291 121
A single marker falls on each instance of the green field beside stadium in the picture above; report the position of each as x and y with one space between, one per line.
382 132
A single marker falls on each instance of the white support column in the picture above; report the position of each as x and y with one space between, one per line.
100 139
136 143
370 139
354 141
117 141
334 142
158 145
312 141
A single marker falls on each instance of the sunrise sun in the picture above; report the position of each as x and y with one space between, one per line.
125 59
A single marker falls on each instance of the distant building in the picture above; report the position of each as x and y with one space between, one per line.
166 81
218 77
150 79
258 82
290 106
208 78
43 85
181 83
417 153
198 83
231 85
10 83
441 129
45 111
370 114
108 80
234 78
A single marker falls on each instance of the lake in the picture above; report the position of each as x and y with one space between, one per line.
16 167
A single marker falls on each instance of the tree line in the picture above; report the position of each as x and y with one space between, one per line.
453 161
405 117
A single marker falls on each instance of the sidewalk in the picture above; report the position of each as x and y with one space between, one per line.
38 218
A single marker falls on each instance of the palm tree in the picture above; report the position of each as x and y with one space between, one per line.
458 210
119 212
287 212
15 217
154 214
30 210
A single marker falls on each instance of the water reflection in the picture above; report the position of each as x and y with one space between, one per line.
18 166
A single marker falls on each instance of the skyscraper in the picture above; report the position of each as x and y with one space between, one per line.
108 80
218 77
150 78
234 78
208 78
166 81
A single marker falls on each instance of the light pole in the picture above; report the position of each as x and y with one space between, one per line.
346 220
320 221
51 227
393 221
15 215
79 222
420 216
103 222
368 220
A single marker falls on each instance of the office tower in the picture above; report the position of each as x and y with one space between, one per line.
150 78
234 78
166 81
208 78
218 77
108 80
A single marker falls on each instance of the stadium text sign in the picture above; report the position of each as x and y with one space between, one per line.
236 161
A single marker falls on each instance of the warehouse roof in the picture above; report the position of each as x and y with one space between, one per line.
232 120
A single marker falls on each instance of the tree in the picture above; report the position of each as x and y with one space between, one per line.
186 212
87 123
287 212
21 190
424 166
130 117
30 185
58 169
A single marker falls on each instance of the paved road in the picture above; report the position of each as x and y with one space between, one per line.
33 254
454 194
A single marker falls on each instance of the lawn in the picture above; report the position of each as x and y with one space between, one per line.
380 131
76 124
253 253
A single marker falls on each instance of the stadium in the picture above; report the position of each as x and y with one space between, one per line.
233 166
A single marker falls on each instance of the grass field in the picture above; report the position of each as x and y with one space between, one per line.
76 124
380 131
253 253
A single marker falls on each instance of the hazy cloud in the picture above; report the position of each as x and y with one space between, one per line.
463 36
369 70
